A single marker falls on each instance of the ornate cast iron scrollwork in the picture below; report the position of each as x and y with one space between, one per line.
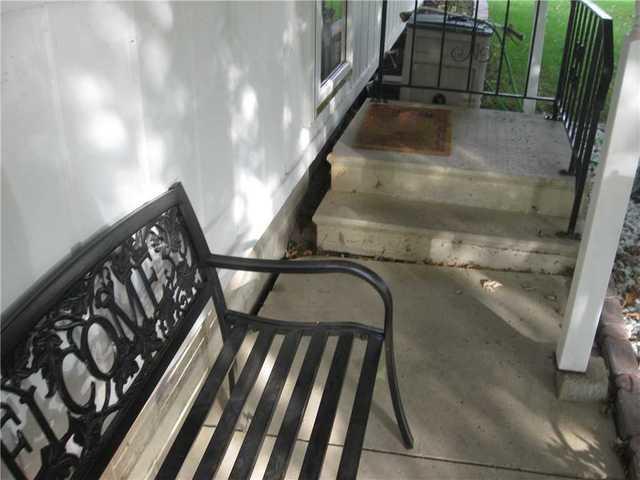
481 53
82 363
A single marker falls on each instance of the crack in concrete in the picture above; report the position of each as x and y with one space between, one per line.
470 463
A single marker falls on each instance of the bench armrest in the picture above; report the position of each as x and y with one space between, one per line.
311 266
335 266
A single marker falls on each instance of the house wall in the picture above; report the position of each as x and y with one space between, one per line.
104 105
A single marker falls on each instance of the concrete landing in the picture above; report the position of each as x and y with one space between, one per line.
390 227
499 160
476 372
503 142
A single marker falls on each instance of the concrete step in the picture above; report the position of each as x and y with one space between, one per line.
433 183
499 160
437 233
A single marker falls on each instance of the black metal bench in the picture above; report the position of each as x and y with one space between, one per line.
137 288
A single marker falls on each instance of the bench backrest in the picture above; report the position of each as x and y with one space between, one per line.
85 347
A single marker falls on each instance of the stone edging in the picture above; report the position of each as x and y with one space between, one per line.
617 351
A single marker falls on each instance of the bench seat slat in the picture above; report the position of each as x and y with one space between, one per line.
360 411
198 413
283 447
255 435
219 442
317 448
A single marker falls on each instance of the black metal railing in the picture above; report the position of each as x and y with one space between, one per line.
584 76
446 20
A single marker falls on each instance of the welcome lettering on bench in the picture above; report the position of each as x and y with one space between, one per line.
81 365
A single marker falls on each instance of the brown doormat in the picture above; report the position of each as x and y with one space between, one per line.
405 129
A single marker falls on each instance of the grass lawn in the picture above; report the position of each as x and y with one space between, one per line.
521 14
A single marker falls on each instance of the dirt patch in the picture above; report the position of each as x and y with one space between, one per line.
303 239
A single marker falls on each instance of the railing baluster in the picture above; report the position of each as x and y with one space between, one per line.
504 38
584 156
588 110
583 20
473 44
580 132
533 40
563 80
585 75
570 58
444 30
568 42
575 94
383 32
413 40
584 92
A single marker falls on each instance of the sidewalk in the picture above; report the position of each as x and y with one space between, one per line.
476 371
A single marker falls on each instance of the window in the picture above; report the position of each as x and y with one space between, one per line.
334 36
334 52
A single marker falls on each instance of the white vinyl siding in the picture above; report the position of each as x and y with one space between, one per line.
105 104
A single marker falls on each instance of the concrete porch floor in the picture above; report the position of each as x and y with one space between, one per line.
476 372
496 142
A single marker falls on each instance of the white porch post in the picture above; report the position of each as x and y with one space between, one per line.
606 212
529 106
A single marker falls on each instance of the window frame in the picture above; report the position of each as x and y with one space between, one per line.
327 89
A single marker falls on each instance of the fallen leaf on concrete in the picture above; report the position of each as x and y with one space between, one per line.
490 285
553 298
630 298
